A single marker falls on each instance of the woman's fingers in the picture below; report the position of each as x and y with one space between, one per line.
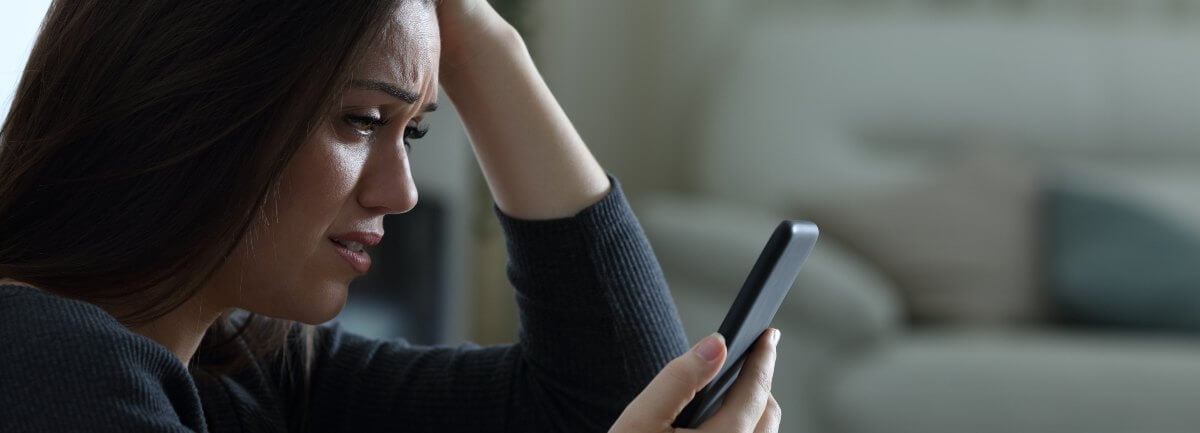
657 406
769 423
747 407
748 396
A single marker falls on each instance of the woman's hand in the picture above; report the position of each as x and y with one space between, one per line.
748 406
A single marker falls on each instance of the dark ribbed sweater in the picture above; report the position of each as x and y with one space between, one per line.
596 324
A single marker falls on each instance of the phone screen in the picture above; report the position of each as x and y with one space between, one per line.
752 311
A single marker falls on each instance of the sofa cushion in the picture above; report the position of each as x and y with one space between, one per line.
961 248
1113 262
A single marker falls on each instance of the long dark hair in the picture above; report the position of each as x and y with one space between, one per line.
145 137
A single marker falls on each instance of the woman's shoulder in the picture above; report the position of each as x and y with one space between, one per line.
74 360
36 317
15 299
50 330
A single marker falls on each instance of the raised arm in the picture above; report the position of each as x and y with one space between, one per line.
597 324
535 163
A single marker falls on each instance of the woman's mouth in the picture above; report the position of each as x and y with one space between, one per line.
354 254
351 245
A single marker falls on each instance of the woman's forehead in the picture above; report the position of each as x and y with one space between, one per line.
407 52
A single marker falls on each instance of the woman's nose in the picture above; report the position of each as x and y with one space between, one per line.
386 184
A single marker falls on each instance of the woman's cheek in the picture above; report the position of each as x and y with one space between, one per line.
345 168
318 183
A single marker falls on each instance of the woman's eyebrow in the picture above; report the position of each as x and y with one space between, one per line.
393 90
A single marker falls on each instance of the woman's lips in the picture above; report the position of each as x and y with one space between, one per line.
359 260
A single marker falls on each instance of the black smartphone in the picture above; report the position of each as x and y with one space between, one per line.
752 311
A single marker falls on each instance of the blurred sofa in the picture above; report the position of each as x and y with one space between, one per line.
924 144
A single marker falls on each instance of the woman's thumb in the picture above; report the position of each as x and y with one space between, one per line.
658 405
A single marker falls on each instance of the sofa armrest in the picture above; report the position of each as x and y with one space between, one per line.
712 244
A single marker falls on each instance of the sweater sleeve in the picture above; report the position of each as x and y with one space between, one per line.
596 324
68 366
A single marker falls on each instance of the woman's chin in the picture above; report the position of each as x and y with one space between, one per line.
318 304
329 308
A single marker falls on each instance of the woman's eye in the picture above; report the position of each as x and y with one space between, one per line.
365 124
414 132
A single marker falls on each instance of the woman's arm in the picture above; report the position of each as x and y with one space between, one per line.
535 163
597 324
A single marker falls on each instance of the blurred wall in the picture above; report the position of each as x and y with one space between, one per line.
614 67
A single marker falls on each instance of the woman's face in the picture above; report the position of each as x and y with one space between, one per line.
297 262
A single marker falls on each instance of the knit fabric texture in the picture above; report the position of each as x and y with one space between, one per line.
596 324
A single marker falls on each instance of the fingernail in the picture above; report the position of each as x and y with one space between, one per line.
774 337
710 347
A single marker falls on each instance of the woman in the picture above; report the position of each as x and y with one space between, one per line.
166 165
